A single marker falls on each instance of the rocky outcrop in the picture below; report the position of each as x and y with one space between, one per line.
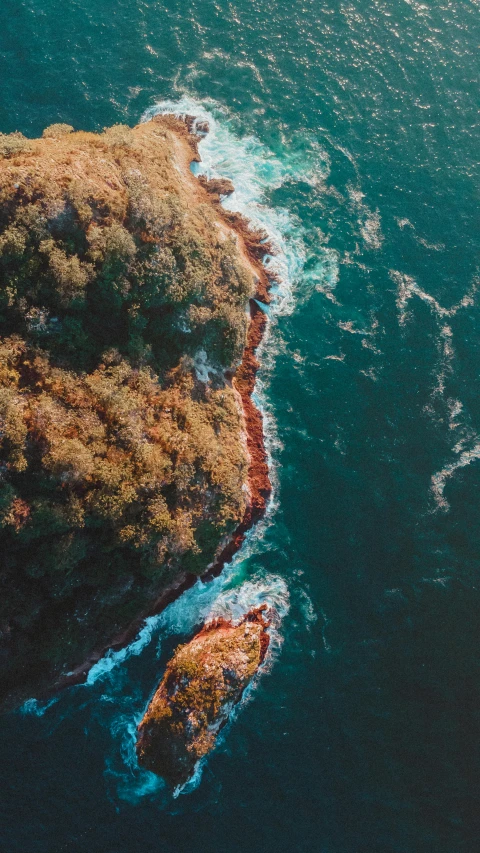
204 680
217 187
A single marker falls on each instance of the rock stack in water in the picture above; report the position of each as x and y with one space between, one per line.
202 683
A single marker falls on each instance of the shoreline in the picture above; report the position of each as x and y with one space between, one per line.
254 248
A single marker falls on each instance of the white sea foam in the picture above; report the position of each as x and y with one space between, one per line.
369 221
467 446
37 708
440 478
455 409
326 623
340 357
435 247
131 782
113 658
407 287
255 172
348 326
308 609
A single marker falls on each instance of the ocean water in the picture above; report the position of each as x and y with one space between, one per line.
349 129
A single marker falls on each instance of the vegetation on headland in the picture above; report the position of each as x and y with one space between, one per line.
119 466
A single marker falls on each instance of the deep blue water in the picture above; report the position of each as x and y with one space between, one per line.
349 130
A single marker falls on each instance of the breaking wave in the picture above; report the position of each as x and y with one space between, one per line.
256 172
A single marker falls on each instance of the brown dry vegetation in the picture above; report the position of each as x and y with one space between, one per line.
118 467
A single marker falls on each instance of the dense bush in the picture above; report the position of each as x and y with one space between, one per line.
54 131
12 144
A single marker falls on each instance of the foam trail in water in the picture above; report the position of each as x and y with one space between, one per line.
408 287
435 247
440 478
37 708
369 221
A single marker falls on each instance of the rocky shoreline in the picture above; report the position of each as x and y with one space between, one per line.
255 246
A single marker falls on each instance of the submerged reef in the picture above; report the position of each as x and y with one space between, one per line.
131 454
203 682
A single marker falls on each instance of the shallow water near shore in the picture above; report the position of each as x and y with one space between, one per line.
349 132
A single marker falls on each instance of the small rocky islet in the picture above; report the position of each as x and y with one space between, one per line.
202 683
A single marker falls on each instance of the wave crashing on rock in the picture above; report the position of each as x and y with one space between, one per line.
203 682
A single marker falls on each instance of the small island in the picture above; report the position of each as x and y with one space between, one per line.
203 682
131 454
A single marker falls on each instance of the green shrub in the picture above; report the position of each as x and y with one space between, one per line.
55 131
13 143
119 135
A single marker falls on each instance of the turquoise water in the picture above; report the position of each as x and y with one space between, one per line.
349 130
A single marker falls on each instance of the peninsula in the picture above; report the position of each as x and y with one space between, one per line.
131 454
